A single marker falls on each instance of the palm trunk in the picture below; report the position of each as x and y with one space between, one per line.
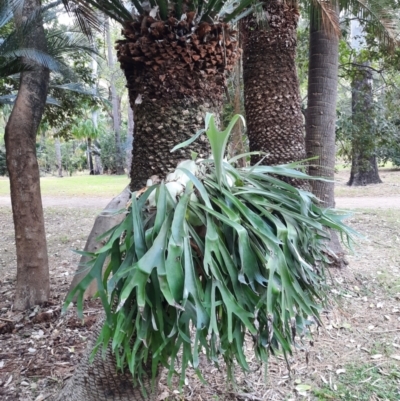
364 167
115 103
321 118
236 146
172 83
100 380
271 88
20 139
162 125
321 110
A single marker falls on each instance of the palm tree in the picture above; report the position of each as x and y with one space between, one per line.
322 82
174 56
88 131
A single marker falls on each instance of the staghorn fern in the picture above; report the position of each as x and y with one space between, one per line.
233 251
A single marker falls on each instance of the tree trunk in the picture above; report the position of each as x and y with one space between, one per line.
364 167
271 88
236 146
172 84
162 125
100 381
170 96
321 118
20 139
58 155
114 101
321 110
90 156
129 139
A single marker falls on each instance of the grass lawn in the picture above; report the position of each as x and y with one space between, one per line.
104 186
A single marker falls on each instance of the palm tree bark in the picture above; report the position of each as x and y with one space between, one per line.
172 83
20 139
100 380
321 110
364 167
321 118
271 87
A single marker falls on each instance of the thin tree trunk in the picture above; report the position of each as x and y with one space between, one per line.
321 118
58 155
20 139
90 156
114 101
364 167
129 139
271 88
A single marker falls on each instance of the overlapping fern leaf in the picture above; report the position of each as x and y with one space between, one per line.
232 252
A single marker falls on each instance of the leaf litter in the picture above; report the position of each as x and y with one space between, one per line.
40 348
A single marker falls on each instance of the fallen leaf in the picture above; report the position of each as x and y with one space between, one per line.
397 357
339 371
303 387
376 356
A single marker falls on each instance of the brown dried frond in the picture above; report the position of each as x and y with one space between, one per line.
329 17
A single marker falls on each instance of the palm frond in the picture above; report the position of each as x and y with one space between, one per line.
382 19
326 12
10 99
85 12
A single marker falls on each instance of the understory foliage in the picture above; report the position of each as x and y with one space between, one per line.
213 254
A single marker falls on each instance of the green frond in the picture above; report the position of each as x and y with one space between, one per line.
212 254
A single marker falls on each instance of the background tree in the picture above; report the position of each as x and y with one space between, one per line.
115 101
28 49
20 139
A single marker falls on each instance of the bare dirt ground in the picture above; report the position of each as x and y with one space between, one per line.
354 356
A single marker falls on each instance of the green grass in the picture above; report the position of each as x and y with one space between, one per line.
84 185
364 382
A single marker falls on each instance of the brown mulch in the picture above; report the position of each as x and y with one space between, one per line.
40 348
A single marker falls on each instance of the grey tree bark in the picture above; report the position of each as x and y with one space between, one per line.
20 139
114 101
58 155
364 167
321 117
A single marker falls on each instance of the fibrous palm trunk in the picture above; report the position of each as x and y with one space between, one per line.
100 380
20 139
172 83
271 88
364 167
